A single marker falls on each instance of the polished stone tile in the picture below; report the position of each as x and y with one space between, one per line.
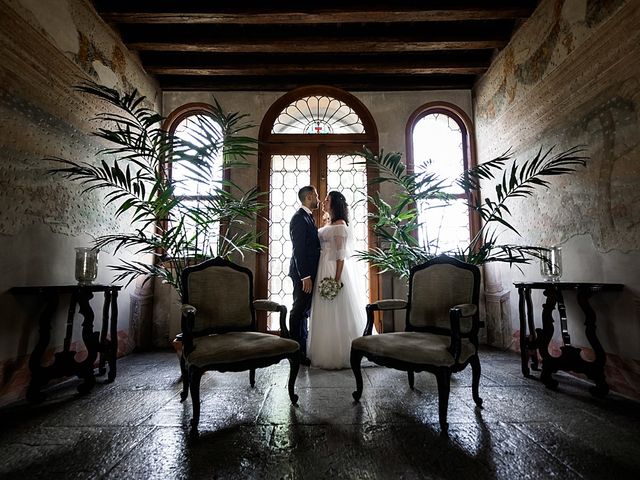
136 427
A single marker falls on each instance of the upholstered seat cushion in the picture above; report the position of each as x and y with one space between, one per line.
413 347
237 347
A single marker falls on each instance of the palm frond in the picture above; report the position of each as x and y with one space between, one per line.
173 230
396 223
521 181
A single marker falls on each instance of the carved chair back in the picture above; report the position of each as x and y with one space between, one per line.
436 286
222 293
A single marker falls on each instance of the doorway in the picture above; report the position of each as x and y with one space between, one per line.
310 136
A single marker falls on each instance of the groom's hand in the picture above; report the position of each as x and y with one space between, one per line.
307 285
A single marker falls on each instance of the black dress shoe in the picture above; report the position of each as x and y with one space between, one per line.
304 360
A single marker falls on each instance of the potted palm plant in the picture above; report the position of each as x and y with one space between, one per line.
167 227
396 223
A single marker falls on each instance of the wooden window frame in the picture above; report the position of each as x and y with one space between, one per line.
468 144
169 125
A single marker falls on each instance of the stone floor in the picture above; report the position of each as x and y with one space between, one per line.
136 427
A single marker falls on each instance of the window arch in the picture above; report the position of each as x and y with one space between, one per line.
194 124
317 114
439 140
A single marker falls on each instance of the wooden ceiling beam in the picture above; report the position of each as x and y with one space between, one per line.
293 18
318 45
293 69
288 82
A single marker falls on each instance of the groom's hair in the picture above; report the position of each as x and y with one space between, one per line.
304 191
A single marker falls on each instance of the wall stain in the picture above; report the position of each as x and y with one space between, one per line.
599 10
609 124
87 54
533 69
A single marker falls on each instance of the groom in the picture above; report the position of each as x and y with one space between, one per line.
304 265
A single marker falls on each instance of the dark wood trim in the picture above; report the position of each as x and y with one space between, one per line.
293 69
317 45
211 13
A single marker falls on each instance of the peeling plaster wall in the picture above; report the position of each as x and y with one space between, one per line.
47 47
571 76
390 110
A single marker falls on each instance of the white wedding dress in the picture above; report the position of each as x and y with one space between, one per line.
333 324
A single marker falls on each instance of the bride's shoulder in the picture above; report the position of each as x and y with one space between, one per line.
340 228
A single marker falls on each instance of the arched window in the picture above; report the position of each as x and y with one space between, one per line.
439 142
197 131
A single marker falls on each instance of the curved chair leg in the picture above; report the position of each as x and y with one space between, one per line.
252 377
294 366
444 381
194 386
411 378
475 382
356 359
185 380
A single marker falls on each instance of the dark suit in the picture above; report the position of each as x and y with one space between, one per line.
304 263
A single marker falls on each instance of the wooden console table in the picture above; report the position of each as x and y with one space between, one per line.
95 342
539 338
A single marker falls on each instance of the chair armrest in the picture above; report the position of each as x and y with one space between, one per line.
454 319
466 309
269 306
390 304
469 311
187 323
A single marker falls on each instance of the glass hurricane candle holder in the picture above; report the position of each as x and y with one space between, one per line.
551 264
86 265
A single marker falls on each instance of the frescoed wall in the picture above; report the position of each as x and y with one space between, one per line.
48 47
570 77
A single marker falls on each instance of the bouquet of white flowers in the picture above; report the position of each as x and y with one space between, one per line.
329 288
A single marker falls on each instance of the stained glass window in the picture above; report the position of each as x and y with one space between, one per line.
318 115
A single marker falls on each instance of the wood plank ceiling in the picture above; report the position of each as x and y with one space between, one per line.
280 45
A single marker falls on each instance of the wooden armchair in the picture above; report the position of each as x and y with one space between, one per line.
219 329
441 333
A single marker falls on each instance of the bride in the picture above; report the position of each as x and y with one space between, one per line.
335 323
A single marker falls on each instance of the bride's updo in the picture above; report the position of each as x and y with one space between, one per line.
339 207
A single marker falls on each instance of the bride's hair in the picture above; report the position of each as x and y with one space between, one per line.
339 207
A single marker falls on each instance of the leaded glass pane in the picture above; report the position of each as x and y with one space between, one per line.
351 180
288 174
317 115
